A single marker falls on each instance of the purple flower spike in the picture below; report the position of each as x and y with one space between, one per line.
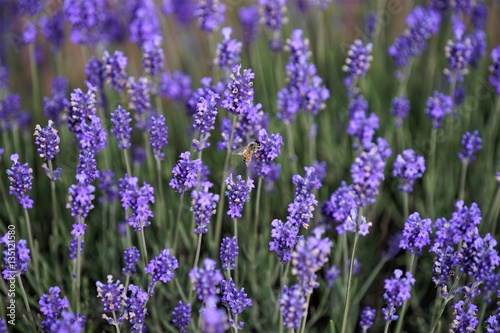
55 107
471 144
206 111
115 70
400 108
309 257
493 321
238 95
270 149
228 51
437 107
137 199
158 136
203 206
340 204
17 264
51 306
94 70
228 253
176 86
494 77
68 322
367 318
397 291
139 93
181 316
331 275
82 108
445 262
465 317
161 268
249 18
210 15
213 320
238 193
112 294
87 20
185 173
292 304
459 54
130 258
47 140
145 25
153 59
416 234
408 167
284 237
273 16
362 125
234 299
121 127
52 29
205 280
358 59
21 181
367 173
135 308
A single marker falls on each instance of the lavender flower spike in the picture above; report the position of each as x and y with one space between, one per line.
228 51
210 14
20 177
47 140
238 193
121 127
471 144
158 136
161 268
181 316
416 234
203 206
397 291
185 173
408 167
494 77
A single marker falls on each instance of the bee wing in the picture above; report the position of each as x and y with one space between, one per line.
239 151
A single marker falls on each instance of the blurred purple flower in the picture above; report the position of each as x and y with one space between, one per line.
478 40
68 322
331 275
29 33
56 106
471 144
213 320
121 127
182 10
408 167
284 237
361 125
115 70
238 194
400 108
73 248
203 206
11 115
21 181
340 204
210 14
437 107
82 108
206 111
205 280
52 28
153 59
158 136
367 173
249 19
51 306
358 59
185 173
228 253
176 86
227 54
15 264
458 53
145 25
270 149
94 70
272 13
397 291
108 187
139 94
30 7
87 19
479 16
367 318
292 304
161 269
494 78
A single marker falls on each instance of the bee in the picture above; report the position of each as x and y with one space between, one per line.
248 151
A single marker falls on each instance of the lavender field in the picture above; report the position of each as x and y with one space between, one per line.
250 166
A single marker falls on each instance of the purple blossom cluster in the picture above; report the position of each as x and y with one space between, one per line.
437 107
158 136
21 181
137 199
459 53
422 24
135 310
367 318
238 94
112 293
16 257
270 149
161 269
153 59
367 173
361 125
80 197
87 20
397 291
273 16
121 127
47 141
494 78
55 107
203 206
69 322
205 280
52 28
416 234
249 19
213 319
51 306
464 317
235 300
185 173
228 253
292 304
182 10
210 14
331 275
357 62
238 194
181 316
400 108
11 115
227 54
304 89
284 237
115 70
139 93
130 258
471 144
310 256
408 167
175 86
145 25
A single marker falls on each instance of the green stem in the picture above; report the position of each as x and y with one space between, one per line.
34 250
445 302
143 246
462 180
368 282
235 323
386 329
177 226
127 162
78 273
116 323
55 219
235 222
304 318
256 221
6 202
160 209
312 141
406 205
291 147
220 207
494 212
432 171
349 282
25 298
196 259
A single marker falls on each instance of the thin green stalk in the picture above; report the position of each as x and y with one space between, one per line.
78 273
256 221
349 282
312 141
304 318
462 180
368 282
6 202
34 250
55 219
235 323
410 267
291 147
220 207
127 162
143 247
432 168
387 324
116 322
176 225
25 298
35 83
406 205
445 302
160 209
196 259
345 255
235 222
494 212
